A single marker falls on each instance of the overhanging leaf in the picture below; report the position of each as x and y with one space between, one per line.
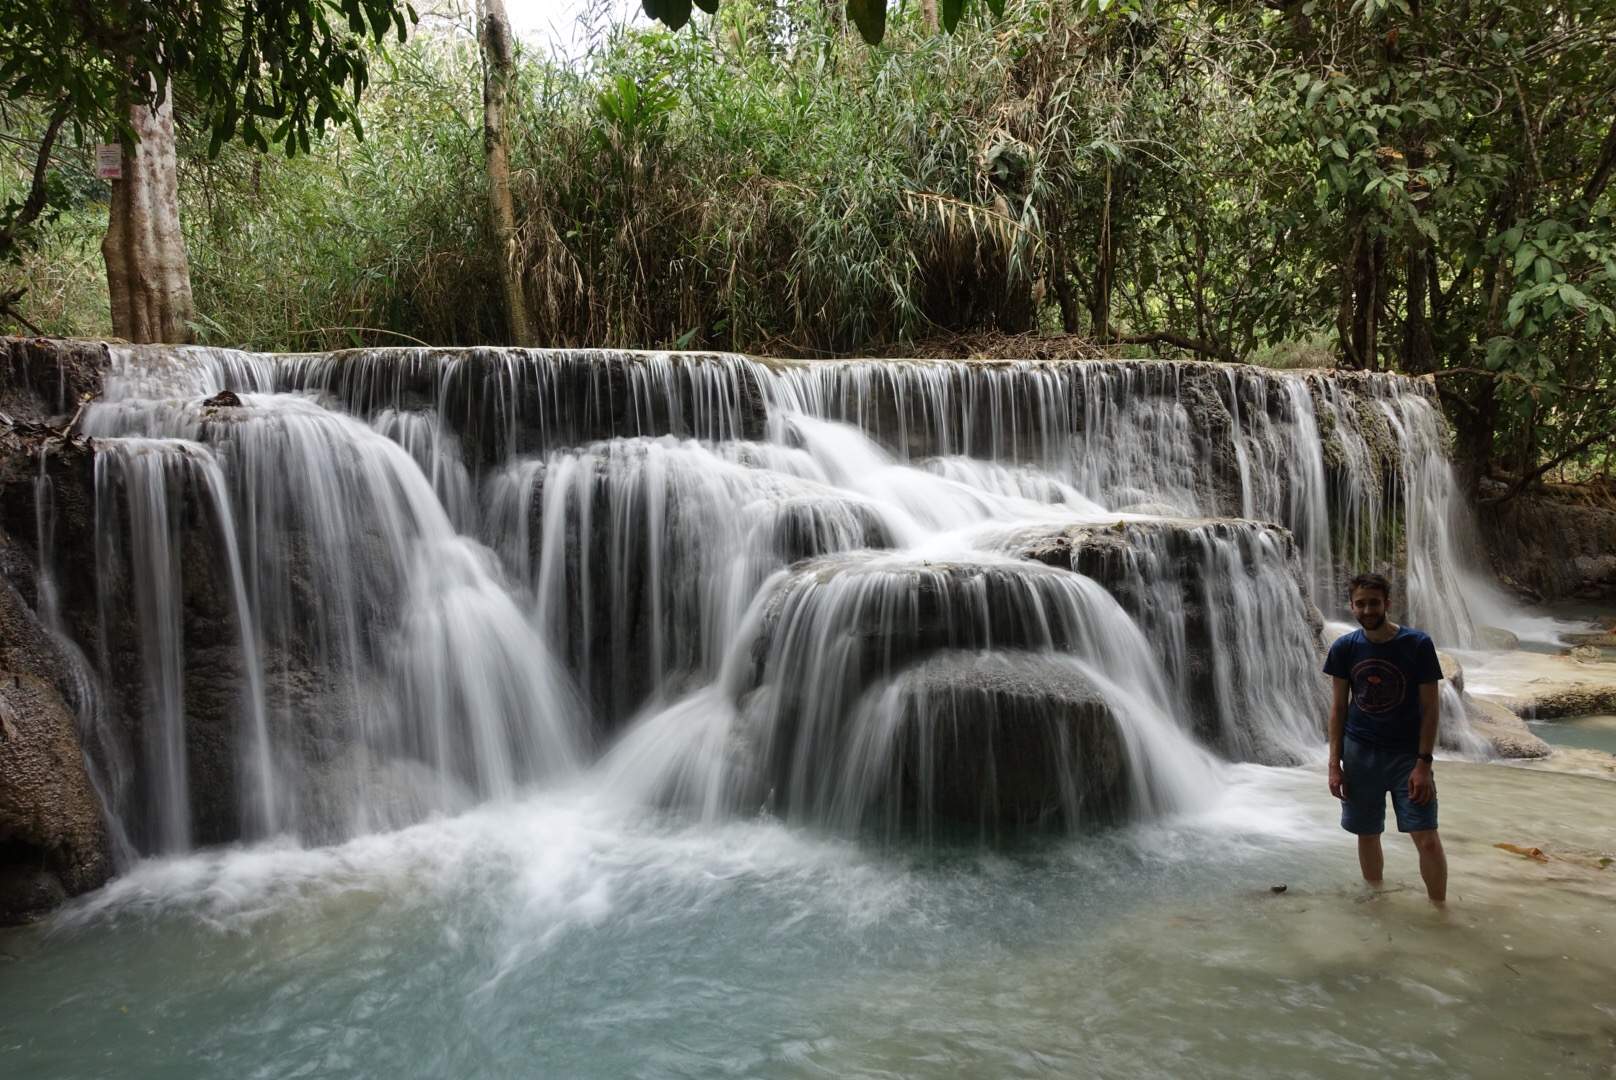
952 10
870 16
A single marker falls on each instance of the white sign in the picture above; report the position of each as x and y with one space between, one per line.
109 161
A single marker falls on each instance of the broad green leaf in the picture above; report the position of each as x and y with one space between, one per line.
951 12
675 13
870 16
1523 257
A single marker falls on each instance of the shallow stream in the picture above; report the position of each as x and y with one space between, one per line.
566 936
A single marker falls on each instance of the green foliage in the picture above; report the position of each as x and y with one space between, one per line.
1424 188
270 71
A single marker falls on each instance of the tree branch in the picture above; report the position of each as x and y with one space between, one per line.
1602 173
1565 455
34 204
1167 337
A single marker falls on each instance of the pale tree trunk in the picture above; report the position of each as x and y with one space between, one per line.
494 38
928 14
148 273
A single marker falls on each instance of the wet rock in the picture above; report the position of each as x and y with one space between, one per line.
52 840
844 626
1604 639
506 402
1222 601
1551 545
1451 670
1556 703
1002 739
807 527
1493 637
1508 733
53 843
43 380
224 399
887 610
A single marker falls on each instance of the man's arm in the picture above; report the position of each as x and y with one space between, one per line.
1421 785
1338 729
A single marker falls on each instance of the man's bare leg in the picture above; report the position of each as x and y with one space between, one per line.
1433 864
1371 860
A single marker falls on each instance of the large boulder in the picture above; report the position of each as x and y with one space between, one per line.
1508 733
53 843
838 630
1223 603
994 740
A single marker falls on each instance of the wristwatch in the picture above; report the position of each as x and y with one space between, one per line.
1427 758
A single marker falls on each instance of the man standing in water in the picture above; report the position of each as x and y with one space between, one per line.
1383 724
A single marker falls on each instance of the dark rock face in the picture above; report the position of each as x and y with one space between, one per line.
839 630
1224 604
53 843
647 545
505 402
1545 548
43 379
1002 739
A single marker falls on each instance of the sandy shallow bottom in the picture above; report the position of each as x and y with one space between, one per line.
568 937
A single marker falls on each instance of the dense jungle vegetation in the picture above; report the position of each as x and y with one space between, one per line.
1381 184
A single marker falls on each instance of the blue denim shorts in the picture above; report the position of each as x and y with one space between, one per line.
1372 774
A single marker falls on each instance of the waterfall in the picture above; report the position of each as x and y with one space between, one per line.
339 592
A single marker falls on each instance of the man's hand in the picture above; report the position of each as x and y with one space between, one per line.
1338 782
1421 784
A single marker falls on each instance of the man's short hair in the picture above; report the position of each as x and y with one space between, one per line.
1370 581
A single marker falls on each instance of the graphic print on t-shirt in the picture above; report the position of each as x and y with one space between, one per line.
1377 686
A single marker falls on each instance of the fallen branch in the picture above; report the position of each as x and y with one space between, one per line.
1179 341
1565 455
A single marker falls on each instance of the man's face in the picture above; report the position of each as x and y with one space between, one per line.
1369 608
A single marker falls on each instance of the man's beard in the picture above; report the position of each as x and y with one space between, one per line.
1371 622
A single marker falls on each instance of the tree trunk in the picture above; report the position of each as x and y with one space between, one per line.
148 273
494 38
928 15
1100 303
1419 352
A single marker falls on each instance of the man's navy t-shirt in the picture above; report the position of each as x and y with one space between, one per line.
1385 679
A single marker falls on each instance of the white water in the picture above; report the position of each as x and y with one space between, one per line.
560 695
454 577
564 935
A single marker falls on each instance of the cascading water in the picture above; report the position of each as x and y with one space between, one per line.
558 696
369 586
